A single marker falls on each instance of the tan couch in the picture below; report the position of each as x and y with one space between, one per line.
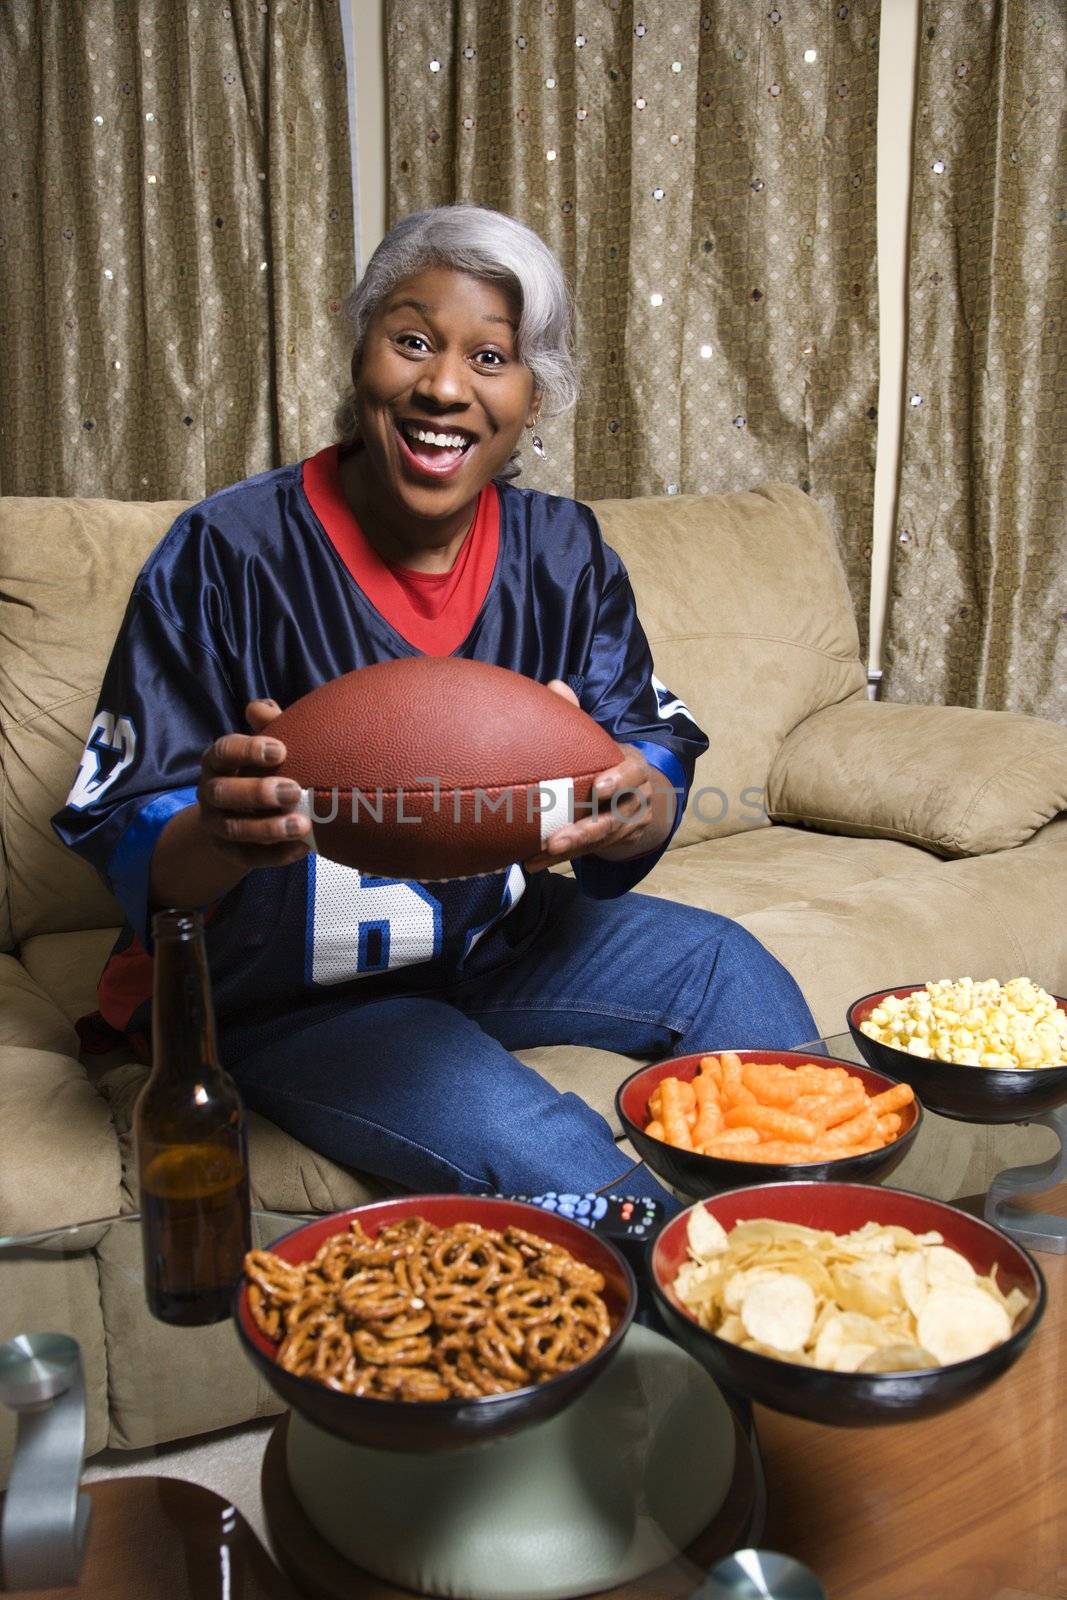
902 843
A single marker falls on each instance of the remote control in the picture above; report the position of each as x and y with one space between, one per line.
623 1219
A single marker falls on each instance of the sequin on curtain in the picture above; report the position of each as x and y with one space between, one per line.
706 175
978 601
177 241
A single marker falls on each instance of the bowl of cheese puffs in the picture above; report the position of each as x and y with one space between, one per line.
709 1122
974 1051
846 1303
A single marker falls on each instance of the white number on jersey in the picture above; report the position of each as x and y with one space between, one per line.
359 925
109 737
668 702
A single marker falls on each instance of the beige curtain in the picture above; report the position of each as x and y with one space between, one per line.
978 606
177 241
706 173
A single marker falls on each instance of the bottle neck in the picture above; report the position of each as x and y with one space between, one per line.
183 1018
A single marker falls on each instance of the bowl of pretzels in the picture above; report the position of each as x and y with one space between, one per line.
431 1322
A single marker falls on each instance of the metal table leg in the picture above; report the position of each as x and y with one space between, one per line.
1037 1230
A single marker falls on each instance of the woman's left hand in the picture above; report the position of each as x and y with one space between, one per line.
634 811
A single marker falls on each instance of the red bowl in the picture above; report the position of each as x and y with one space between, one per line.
850 1398
695 1175
968 1094
432 1425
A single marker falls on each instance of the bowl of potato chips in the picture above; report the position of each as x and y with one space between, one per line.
846 1303
709 1122
975 1051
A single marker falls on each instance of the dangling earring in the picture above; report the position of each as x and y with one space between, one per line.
538 448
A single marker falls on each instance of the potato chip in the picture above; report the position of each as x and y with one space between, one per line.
779 1311
955 1324
878 1299
705 1233
797 1357
850 1357
897 1358
737 1285
872 1287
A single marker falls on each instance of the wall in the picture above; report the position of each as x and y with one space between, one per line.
896 98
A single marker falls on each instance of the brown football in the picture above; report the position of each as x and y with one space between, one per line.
438 767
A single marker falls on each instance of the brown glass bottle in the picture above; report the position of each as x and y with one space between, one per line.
189 1130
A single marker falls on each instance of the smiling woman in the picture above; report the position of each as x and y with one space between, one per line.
375 1018
441 399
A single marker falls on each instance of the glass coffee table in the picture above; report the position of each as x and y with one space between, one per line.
965 1506
167 1518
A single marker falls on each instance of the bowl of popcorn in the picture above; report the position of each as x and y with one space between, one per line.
709 1122
977 1051
846 1303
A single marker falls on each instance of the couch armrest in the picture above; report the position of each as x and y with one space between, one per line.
958 781
59 1157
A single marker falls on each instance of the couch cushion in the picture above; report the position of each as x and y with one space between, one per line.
60 1161
29 1014
68 965
747 610
777 865
69 566
954 779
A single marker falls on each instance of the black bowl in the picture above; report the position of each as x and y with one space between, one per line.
968 1094
850 1398
696 1175
434 1425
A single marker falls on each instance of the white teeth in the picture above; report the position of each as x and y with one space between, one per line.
447 441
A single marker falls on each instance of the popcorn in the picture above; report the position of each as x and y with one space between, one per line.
973 1024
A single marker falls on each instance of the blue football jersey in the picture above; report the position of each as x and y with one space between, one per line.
247 597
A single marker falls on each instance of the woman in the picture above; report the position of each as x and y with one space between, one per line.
374 1019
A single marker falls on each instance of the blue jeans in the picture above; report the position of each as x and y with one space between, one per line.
422 1089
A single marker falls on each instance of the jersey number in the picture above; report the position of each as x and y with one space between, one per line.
358 924
109 749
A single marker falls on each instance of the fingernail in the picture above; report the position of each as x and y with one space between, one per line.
286 793
294 825
273 750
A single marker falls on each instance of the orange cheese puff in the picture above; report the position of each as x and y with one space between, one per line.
786 1151
673 1114
889 1125
857 1130
655 1129
772 1085
737 1143
655 1101
817 1108
710 1068
709 1112
849 1103
732 1082
822 1080
772 1123
894 1099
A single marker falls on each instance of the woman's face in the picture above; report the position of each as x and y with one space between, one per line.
442 397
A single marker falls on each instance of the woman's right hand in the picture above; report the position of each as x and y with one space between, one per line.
248 814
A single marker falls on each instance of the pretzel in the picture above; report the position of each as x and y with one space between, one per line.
421 1313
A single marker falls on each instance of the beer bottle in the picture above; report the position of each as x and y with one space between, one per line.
189 1131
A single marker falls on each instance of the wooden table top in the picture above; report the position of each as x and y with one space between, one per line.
971 1505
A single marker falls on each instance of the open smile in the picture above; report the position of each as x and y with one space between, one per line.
433 452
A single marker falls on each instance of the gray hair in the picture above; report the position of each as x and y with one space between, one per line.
489 245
